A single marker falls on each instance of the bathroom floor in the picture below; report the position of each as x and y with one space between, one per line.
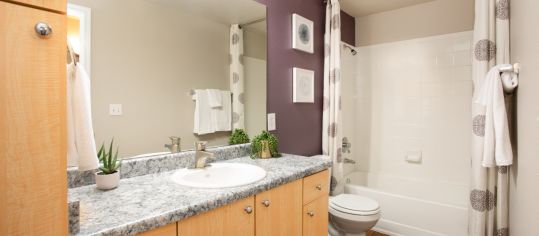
374 233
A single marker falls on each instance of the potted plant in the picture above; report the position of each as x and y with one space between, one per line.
265 145
108 175
238 137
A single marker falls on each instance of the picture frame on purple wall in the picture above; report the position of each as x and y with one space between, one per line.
302 33
303 85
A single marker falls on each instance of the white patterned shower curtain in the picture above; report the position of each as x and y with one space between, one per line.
236 76
332 125
488 203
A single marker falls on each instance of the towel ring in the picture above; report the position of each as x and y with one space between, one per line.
510 80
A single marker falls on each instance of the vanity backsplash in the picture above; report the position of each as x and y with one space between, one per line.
159 163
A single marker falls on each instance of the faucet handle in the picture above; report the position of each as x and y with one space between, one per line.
200 145
175 139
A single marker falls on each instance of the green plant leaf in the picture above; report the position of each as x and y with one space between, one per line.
101 152
109 156
238 136
256 144
114 164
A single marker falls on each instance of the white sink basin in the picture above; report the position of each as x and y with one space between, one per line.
219 175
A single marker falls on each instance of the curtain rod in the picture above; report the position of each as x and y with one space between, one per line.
252 22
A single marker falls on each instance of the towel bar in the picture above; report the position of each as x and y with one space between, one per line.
511 68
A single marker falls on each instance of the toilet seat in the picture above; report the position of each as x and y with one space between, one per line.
354 205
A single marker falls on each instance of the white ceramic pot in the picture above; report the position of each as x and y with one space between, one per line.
106 182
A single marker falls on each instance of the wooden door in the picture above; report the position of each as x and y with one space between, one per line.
167 230
233 219
315 217
279 210
33 184
55 5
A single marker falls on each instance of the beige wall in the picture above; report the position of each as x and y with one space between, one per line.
254 44
148 57
524 183
255 95
428 19
254 62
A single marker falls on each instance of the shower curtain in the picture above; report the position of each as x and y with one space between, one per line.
488 200
331 128
236 76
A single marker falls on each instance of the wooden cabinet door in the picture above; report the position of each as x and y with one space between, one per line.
55 5
33 182
167 230
230 220
315 217
279 210
315 186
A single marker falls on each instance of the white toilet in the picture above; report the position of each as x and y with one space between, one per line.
351 214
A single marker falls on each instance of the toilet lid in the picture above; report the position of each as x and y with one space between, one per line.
354 204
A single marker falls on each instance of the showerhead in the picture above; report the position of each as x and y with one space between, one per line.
354 52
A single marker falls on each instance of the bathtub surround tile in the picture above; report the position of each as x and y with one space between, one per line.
414 95
149 201
156 164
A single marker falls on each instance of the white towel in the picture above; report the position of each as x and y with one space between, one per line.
81 149
203 113
215 98
222 116
489 96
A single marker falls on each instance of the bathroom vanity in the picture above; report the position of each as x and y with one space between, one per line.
278 211
291 200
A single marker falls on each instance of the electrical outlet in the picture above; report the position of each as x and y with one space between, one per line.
271 122
115 109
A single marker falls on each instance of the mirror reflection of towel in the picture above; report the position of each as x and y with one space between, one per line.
222 116
215 98
210 119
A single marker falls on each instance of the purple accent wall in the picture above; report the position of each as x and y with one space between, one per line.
348 28
299 126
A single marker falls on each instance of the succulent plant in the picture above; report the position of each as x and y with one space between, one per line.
110 161
238 137
256 144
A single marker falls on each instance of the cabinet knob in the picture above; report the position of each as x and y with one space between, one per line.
319 187
43 30
266 203
248 209
310 213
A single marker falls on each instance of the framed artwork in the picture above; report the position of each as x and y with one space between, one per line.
303 85
302 34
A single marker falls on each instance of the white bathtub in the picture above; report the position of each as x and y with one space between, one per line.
423 213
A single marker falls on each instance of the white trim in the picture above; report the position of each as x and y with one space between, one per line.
85 16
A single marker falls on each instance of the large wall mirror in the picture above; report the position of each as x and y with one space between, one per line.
148 59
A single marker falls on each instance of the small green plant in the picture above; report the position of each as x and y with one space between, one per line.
238 137
110 161
256 144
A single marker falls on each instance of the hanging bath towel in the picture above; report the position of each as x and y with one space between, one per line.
490 120
81 151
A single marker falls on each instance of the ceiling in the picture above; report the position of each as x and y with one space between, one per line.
358 8
224 11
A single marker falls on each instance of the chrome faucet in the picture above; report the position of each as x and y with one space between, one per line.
346 145
174 146
201 155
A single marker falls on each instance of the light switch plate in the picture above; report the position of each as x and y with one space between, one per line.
271 122
115 109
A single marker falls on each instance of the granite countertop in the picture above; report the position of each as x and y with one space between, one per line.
146 202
